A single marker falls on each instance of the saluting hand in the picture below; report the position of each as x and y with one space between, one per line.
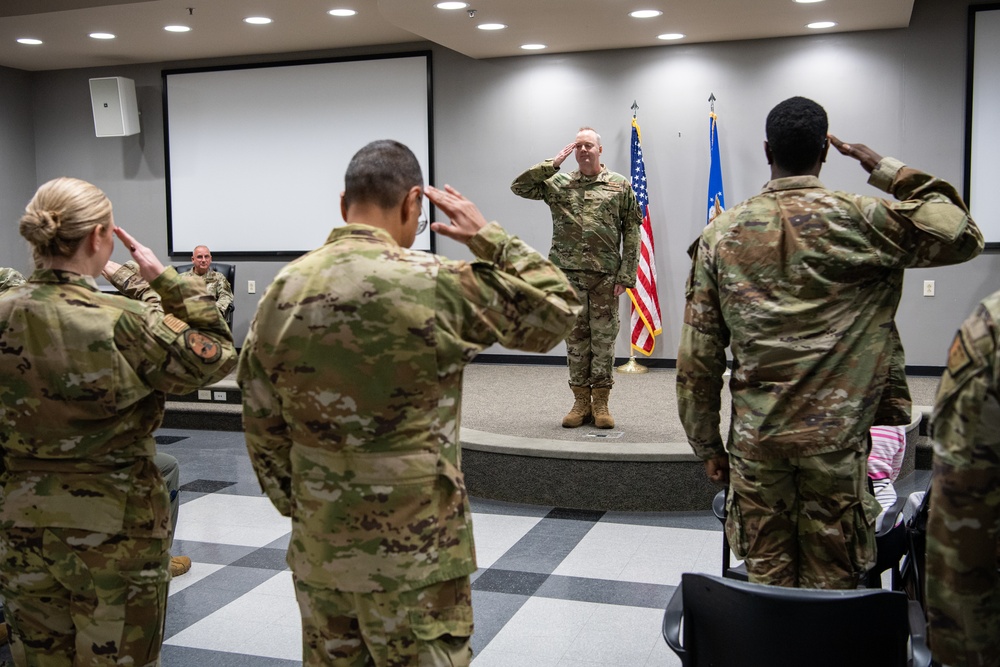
563 154
149 266
466 220
866 156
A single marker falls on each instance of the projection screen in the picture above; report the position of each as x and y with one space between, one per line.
982 130
256 154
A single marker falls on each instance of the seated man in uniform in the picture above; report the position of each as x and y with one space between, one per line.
217 284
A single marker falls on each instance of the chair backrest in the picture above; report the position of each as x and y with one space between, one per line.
728 622
229 271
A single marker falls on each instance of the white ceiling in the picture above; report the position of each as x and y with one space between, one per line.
218 29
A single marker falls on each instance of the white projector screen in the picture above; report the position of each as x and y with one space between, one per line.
255 155
982 171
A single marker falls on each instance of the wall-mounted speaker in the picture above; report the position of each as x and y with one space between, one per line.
116 112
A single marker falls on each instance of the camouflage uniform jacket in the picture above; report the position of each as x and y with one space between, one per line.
803 283
352 378
9 278
218 287
963 531
84 380
592 217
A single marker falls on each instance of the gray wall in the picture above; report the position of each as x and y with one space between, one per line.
901 92
17 164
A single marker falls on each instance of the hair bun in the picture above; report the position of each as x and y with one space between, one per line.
40 227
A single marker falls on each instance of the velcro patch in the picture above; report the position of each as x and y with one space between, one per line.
958 355
175 324
615 185
204 347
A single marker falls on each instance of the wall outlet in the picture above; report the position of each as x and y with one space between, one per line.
218 395
204 395
251 287
928 288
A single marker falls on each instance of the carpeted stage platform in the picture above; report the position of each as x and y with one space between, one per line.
514 448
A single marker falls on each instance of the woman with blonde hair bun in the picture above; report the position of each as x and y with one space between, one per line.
84 512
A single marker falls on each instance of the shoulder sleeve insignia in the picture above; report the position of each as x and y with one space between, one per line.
958 355
175 324
204 347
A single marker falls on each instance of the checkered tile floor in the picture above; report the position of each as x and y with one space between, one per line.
555 587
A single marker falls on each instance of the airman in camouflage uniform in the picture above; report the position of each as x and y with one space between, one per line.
352 377
802 284
963 529
595 241
84 512
9 278
218 286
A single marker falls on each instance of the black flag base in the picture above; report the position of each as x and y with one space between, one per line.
632 366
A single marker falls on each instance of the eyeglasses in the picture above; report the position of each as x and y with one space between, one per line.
421 223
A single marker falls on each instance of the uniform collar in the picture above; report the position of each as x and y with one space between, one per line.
361 232
578 177
792 183
59 277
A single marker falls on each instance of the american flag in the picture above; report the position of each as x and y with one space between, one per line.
645 302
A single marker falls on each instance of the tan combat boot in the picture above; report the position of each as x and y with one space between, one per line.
602 418
580 414
179 565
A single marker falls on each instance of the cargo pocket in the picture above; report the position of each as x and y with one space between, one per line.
734 527
863 517
147 582
444 635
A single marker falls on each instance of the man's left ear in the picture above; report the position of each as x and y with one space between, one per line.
414 198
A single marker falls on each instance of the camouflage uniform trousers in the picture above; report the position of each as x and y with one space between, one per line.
429 626
803 523
76 598
590 347
171 473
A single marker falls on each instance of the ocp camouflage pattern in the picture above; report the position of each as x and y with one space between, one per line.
85 375
9 278
963 529
218 287
352 376
595 219
803 284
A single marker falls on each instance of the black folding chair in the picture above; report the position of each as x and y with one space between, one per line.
729 623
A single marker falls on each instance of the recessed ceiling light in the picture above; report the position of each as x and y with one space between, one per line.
819 25
102 35
341 12
29 40
671 35
491 26
806 2
645 13
177 28
532 47
452 5
257 20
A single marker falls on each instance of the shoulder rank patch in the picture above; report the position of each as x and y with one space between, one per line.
204 347
175 324
958 355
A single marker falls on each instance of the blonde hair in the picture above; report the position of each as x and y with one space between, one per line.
61 214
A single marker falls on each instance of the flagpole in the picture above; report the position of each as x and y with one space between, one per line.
718 207
632 366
